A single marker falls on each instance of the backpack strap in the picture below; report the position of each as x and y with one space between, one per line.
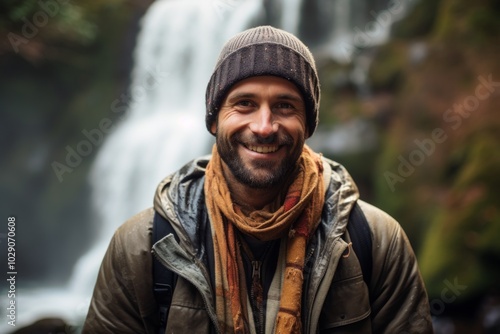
163 279
361 239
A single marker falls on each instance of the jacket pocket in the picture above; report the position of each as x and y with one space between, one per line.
347 304
187 312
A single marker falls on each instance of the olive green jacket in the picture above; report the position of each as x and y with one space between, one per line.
335 299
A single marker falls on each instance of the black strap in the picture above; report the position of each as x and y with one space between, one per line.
163 279
361 239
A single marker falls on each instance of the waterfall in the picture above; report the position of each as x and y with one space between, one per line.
164 126
290 16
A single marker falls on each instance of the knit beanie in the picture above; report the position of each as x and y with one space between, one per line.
259 51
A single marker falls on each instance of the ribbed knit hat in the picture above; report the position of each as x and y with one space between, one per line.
259 51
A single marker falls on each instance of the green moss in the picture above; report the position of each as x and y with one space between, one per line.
420 21
484 22
449 205
463 241
14 11
469 24
386 72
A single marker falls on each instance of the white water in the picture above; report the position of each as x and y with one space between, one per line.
163 129
290 15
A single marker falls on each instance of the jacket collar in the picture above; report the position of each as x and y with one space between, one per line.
180 198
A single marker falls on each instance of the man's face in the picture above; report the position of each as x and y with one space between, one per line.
261 130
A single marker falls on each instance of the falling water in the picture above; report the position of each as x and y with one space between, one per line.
163 129
164 124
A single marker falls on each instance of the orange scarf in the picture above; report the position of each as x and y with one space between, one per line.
298 217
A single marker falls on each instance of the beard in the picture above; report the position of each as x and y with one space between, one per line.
259 174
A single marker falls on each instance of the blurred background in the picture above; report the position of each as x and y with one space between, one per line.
100 100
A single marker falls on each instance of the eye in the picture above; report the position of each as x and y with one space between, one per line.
284 105
285 108
244 106
244 103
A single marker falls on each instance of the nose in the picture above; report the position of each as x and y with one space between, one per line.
263 123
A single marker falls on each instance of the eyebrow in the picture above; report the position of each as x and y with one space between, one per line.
238 96
291 97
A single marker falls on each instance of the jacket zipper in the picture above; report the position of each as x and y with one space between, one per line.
256 265
257 300
306 282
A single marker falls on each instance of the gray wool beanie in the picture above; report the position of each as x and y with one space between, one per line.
259 51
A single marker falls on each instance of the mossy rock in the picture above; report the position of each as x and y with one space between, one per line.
419 22
463 240
387 70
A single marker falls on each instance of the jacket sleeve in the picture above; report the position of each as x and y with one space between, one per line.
398 297
123 301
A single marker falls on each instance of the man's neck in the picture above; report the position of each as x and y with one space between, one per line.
250 199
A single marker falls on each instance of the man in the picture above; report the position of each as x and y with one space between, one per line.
261 240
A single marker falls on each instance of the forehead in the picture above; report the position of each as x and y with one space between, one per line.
268 83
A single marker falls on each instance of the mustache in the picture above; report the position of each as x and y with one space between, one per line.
280 139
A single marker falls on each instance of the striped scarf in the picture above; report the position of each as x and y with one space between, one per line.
298 217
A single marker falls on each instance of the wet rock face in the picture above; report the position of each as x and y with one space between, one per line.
444 80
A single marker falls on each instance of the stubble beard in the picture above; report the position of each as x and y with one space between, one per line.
261 174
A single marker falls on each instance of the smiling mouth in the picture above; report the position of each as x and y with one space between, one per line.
263 149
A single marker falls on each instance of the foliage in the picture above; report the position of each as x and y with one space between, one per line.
449 204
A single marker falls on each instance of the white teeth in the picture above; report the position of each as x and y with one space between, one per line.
263 149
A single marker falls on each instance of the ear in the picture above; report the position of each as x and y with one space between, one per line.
306 130
213 127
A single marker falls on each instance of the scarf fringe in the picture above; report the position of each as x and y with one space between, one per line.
287 323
